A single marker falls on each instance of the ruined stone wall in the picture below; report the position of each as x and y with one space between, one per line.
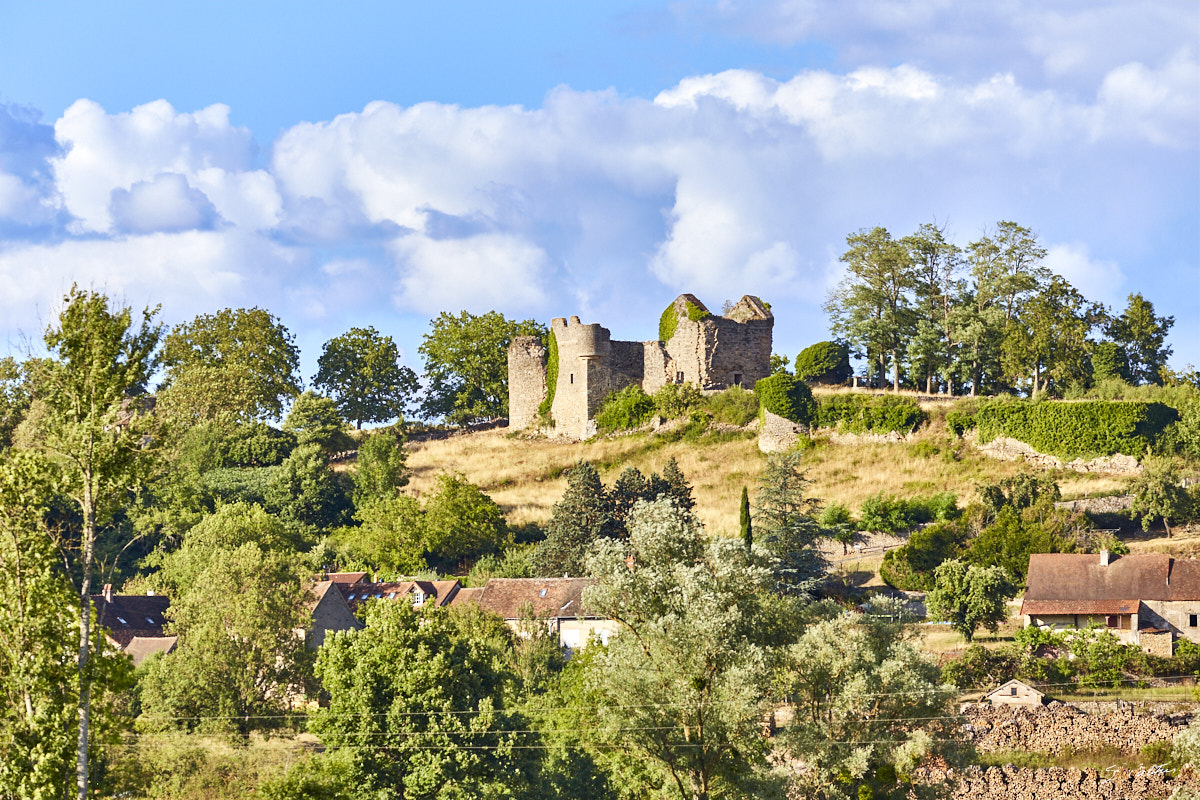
778 434
526 381
717 352
657 367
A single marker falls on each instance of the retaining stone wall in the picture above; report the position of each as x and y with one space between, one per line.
1007 449
1061 783
1059 726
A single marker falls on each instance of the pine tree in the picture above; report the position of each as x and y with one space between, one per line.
580 518
787 524
675 486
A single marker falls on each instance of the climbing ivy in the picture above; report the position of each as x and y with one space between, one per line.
551 377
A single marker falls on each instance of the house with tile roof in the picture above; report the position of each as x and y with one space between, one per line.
557 601
329 613
1148 600
419 593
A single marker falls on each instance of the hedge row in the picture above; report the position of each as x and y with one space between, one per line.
786 396
856 413
1077 429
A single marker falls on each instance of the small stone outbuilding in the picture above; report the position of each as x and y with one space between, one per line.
1014 693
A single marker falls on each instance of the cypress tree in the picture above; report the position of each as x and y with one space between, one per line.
747 528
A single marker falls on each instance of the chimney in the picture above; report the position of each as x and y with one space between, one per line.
149 593
1104 558
631 562
108 592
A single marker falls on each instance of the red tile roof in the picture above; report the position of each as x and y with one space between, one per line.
1052 608
439 593
1081 577
346 577
547 597
142 647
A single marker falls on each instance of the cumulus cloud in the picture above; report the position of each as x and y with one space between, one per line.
477 273
165 204
104 152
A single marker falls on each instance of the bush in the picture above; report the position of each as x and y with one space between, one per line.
675 400
911 566
961 416
886 514
979 668
1077 429
857 413
787 397
827 362
1010 540
734 406
625 409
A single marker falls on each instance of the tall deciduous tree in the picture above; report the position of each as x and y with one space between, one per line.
937 264
99 364
870 308
683 682
314 419
39 618
968 596
1049 343
466 364
418 702
361 371
869 707
1142 335
241 363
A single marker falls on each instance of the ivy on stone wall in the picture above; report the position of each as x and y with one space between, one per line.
551 377
669 320
857 413
1076 429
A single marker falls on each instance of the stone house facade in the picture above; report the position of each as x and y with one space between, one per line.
1149 600
1014 693
712 352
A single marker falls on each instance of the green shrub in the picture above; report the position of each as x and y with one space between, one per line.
961 416
910 567
886 514
675 400
625 409
734 406
979 668
1077 429
551 377
787 397
824 361
857 413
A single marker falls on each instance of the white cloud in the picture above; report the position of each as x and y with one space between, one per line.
165 204
1095 279
186 272
114 151
478 273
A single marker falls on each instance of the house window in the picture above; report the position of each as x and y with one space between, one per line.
1192 620
1111 621
572 377
737 379
1012 691
542 593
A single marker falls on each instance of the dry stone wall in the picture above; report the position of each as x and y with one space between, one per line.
1058 726
1061 783
1007 449
778 434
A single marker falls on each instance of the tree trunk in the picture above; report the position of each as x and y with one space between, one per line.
895 372
85 619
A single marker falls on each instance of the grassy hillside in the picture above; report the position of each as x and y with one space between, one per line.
524 475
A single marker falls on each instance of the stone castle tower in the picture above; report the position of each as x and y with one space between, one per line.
709 351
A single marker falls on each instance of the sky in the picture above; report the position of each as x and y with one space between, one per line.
377 163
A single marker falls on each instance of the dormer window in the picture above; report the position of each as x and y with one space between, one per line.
152 622
122 620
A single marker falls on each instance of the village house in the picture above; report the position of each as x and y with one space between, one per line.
1148 600
555 602
133 623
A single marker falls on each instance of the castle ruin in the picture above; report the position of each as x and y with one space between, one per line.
712 352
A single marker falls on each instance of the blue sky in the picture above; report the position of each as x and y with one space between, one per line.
375 163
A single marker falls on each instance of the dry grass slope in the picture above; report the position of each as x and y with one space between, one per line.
524 475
